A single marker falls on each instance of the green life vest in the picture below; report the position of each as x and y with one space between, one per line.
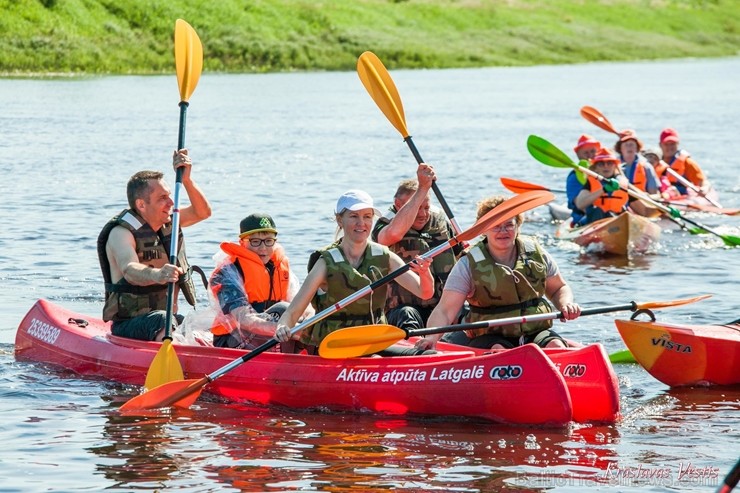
344 280
124 300
436 231
501 292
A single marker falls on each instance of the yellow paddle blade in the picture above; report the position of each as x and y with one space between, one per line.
188 58
667 304
165 367
380 86
359 341
180 393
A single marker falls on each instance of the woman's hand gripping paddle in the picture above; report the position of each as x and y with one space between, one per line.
184 392
165 366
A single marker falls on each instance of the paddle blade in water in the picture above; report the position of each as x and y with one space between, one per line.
623 356
546 153
188 58
165 367
380 86
359 341
180 393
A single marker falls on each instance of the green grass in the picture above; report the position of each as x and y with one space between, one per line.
135 36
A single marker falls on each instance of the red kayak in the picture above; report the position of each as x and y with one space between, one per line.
518 386
683 355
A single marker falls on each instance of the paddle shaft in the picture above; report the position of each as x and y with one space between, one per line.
437 192
691 186
518 320
175 223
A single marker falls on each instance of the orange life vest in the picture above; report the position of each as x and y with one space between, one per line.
639 176
262 289
614 202
686 167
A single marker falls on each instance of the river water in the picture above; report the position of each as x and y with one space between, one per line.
290 144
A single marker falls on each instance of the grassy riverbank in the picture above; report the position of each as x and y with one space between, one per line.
135 36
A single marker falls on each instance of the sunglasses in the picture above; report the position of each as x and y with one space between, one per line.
510 226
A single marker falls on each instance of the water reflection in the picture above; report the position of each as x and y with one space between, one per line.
263 449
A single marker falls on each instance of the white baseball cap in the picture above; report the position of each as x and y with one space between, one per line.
355 200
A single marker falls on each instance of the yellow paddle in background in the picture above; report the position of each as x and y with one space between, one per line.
368 339
182 393
165 366
380 86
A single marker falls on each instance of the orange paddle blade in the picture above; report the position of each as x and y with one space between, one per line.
667 304
506 210
188 58
380 86
518 186
597 118
180 393
165 367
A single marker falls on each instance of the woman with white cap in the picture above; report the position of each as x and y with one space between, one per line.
346 266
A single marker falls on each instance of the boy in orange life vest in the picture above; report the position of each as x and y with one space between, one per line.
252 285
603 199
680 161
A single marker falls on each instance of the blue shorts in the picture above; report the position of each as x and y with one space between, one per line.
144 327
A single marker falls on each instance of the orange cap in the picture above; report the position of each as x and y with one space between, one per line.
584 141
626 135
605 155
668 135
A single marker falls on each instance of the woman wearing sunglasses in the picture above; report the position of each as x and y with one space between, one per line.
504 275
252 285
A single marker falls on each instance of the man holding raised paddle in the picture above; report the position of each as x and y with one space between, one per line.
133 253
412 227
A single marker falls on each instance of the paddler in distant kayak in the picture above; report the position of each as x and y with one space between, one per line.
409 228
133 252
504 275
679 161
637 170
346 266
601 199
252 285
585 150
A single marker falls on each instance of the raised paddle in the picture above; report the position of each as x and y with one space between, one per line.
597 118
165 367
368 339
548 154
380 86
184 392
518 186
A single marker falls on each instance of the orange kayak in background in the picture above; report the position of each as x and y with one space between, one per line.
685 355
